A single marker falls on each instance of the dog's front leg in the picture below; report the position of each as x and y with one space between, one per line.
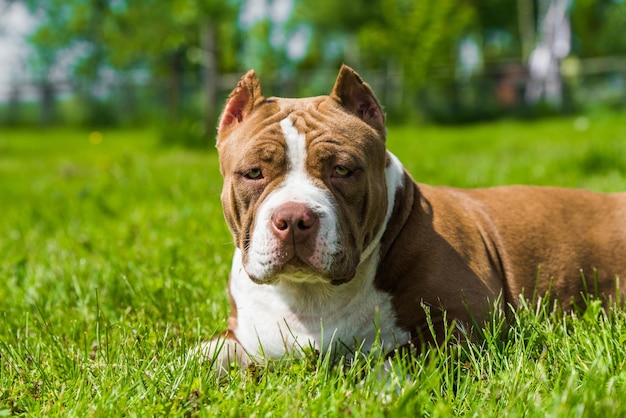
222 352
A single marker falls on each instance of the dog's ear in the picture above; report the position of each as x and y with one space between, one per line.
241 101
357 97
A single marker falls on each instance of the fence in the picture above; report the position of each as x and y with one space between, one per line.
497 91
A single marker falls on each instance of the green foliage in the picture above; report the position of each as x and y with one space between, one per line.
116 259
134 42
598 27
417 36
130 33
413 36
412 47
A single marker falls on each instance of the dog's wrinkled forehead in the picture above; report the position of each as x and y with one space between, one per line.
350 105
304 115
314 116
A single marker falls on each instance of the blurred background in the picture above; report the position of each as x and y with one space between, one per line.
170 64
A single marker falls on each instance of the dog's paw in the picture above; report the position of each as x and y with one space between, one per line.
221 354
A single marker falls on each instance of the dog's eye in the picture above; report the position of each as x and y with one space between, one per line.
253 174
341 171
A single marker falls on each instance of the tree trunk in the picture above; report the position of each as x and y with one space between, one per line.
526 26
47 103
211 73
13 113
175 96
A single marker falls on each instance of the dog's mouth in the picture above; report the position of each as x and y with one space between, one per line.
296 270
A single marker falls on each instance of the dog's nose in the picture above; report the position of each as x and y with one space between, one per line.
294 221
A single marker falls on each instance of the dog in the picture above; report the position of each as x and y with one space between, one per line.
338 248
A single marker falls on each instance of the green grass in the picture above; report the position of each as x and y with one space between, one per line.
115 260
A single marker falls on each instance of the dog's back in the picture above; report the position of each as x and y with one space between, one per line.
459 250
562 240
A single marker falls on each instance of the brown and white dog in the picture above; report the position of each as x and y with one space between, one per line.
337 246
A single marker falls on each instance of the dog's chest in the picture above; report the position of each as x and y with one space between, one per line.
287 318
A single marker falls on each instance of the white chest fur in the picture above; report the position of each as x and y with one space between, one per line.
288 316
298 313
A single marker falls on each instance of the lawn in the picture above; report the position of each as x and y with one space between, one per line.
115 260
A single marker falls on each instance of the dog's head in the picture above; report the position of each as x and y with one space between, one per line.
304 191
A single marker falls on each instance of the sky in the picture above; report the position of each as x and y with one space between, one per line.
15 23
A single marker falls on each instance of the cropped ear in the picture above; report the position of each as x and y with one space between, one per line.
357 97
241 101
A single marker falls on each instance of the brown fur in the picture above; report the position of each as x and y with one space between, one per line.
458 250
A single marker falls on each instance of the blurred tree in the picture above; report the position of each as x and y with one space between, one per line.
505 30
42 64
48 45
406 37
598 27
275 41
336 30
173 38
420 36
527 20
413 45
170 39
259 52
